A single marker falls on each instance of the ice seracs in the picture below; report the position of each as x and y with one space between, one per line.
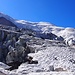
70 42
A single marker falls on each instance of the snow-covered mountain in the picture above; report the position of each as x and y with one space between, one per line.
35 48
43 27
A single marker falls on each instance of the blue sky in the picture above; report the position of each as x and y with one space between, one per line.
58 12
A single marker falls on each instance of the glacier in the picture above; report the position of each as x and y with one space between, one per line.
55 57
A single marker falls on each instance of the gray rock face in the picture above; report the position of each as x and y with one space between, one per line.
7 38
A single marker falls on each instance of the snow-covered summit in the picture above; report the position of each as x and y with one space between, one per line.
6 16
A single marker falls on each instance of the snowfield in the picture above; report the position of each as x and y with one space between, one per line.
49 59
52 73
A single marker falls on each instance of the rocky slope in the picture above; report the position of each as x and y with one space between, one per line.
35 48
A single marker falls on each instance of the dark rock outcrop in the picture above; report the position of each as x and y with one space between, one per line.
50 36
6 22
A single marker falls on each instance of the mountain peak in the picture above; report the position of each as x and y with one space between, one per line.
6 20
3 15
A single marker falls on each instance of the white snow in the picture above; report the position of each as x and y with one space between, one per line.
52 73
3 70
2 65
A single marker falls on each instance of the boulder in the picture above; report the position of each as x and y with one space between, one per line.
59 69
18 54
